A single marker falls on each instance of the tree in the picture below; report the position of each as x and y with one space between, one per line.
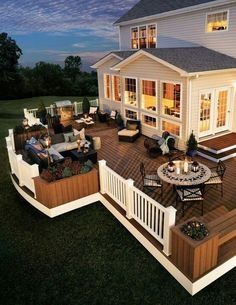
72 66
9 55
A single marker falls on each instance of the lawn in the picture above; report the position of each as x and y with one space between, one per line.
84 257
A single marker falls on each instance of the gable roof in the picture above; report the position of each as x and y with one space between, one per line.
146 8
120 55
186 60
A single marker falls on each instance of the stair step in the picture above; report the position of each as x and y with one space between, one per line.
217 156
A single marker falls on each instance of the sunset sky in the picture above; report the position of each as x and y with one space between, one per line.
51 30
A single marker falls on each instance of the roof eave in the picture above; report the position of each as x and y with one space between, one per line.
212 72
175 12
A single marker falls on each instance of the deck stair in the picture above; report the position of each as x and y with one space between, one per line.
219 148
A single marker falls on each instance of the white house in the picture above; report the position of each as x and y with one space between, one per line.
176 68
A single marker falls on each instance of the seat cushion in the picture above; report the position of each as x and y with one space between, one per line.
128 133
190 195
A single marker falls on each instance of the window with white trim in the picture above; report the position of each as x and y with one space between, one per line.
217 21
116 89
144 36
107 86
171 99
149 120
171 128
130 91
130 114
149 95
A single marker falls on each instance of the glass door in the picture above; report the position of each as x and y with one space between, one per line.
206 110
222 109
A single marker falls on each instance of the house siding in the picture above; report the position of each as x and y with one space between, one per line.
105 103
187 30
208 82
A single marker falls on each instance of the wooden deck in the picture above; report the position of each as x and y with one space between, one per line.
125 158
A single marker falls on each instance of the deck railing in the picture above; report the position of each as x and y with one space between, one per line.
78 108
21 169
150 214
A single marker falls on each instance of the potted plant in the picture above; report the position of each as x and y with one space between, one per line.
85 105
119 121
192 145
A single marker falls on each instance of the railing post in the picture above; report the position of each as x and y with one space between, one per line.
102 173
18 160
11 135
25 112
52 110
75 108
129 198
168 223
97 100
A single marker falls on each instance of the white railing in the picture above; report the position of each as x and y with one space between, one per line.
78 109
21 169
150 214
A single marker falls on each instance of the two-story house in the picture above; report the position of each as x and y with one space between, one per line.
176 68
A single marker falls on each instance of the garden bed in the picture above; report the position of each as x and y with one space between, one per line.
55 193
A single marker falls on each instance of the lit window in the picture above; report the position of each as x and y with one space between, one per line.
171 128
217 22
134 38
143 37
149 95
152 36
107 86
116 88
171 99
148 120
129 114
130 91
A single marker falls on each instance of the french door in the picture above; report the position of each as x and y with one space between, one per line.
214 111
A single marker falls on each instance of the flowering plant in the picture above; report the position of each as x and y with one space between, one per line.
195 229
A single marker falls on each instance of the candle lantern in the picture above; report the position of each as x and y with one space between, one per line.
171 166
195 166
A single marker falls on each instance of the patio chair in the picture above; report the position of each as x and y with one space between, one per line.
190 194
150 180
217 175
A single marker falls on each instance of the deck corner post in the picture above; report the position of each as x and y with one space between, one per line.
102 173
129 198
75 108
170 216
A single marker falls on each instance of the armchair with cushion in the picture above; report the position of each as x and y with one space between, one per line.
131 132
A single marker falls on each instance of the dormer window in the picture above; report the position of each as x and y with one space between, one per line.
217 22
143 37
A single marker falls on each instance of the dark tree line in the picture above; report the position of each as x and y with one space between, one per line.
44 78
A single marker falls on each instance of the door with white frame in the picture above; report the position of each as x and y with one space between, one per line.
214 111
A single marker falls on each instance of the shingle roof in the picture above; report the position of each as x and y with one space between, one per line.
195 59
146 8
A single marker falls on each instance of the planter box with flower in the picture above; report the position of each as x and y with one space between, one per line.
194 248
65 182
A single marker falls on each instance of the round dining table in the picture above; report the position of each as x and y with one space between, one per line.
179 177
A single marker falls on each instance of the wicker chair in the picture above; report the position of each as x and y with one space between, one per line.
217 175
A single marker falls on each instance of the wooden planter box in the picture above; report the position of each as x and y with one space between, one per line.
53 194
192 257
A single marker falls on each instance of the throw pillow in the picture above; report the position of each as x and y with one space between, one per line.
57 138
32 141
43 143
131 126
76 132
67 136
73 138
113 114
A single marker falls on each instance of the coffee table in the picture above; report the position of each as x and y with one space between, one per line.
83 157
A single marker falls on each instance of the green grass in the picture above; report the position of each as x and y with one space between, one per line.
84 257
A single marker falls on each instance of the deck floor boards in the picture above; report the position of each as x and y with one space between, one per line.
125 158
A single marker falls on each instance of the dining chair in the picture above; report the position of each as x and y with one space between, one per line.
217 175
190 194
150 179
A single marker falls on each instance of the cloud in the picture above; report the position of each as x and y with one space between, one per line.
79 45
